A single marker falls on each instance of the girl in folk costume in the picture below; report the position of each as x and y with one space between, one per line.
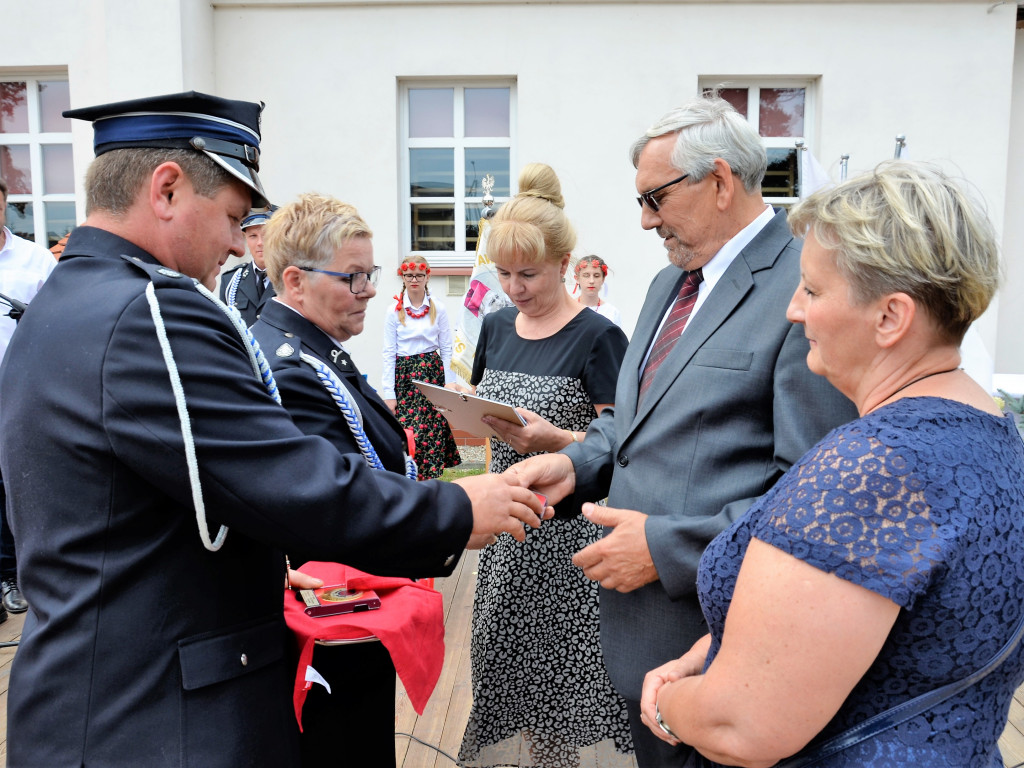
591 272
418 345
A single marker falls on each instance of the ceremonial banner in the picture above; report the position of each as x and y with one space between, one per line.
483 296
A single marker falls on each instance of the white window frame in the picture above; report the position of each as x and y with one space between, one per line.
36 139
754 86
460 257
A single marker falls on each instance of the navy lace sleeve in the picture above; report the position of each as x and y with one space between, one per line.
856 506
921 502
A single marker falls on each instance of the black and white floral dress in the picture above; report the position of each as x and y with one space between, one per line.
541 695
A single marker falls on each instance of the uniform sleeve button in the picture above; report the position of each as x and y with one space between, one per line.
245 660
623 460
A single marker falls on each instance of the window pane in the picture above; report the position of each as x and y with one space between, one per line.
782 112
54 98
433 227
58 169
60 219
13 108
431 112
487 111
15 169
781 178
432 172
21 221
480 162
474 212
737 97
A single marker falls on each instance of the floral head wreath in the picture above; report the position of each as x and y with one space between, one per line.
591 261
410 266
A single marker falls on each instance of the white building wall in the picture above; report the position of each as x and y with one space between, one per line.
590 78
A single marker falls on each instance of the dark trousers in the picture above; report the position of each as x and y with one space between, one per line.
652 752
355 724
8 558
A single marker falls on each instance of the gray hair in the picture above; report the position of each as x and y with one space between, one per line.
708 128
907 227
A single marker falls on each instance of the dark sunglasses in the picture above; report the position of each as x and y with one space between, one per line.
648 198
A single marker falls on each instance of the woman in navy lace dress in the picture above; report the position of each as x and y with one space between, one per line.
888 561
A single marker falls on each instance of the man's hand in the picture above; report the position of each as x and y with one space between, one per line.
551 474
621 560
501 506
539 434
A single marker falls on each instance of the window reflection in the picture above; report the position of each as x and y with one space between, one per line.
432 172
433 227
16 169
431 112
13 108
60 219
782 112
480 162
21 220
54 98
487 111
58 169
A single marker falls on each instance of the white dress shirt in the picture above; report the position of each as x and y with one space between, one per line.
24 267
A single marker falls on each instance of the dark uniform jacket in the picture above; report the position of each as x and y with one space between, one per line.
248 300
284 334
141 647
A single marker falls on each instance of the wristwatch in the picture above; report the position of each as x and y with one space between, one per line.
661 723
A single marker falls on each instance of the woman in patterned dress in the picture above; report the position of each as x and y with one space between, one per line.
887 562
541 695
418 345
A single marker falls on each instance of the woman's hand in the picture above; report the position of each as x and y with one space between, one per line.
539 434
300 580
392 404
689 664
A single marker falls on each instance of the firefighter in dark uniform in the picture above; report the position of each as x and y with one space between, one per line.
154 481
247 287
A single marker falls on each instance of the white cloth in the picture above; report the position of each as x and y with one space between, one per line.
417 336
24 267
607 310
715 268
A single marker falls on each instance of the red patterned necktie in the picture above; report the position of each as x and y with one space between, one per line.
671 330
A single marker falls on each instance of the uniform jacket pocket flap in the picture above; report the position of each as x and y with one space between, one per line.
209 659
736 359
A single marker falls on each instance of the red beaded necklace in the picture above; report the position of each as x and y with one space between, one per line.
416 314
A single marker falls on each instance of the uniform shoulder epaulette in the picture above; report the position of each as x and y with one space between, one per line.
162 277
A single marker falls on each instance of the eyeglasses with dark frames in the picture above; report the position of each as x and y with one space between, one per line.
356 280
415 276
648 198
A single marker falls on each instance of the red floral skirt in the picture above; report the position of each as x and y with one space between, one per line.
435 445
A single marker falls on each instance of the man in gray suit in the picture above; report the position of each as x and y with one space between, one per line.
714 400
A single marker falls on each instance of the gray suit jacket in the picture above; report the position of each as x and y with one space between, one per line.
730 410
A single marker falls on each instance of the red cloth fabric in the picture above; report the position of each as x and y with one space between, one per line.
409 622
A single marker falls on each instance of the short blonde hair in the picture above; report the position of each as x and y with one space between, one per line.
532 225
308 232
908 227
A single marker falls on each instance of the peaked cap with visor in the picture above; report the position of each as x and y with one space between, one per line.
225 130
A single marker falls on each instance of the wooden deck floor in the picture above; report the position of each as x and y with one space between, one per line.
445 717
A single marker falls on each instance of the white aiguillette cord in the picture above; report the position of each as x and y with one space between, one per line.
260 368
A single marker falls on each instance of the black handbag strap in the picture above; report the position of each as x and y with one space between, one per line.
899 714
